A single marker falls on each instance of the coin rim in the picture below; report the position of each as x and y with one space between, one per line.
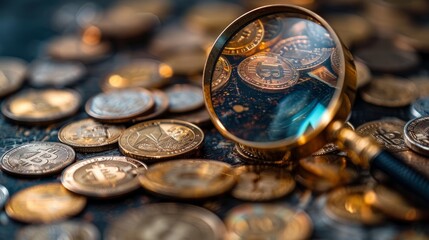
409 139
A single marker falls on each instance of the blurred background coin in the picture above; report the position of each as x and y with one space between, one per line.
184 98
4 196
43 73
73 230
12 74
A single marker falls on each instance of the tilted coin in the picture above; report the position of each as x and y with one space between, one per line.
166 221
184 98
246 40
103 177
44 203
72 230
389 91
416 135
146 73
41 106
4 196
262 183
351 28
186 62
161 106
221 74
12 74
416 161
189 178
266 71
388 133
363 74
37 159
54 73
87 135
420 108
199 117
347 205
267 221
273 29
121 105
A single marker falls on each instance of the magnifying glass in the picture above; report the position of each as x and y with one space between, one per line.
280 84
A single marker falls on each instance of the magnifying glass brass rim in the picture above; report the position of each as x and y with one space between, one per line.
339 106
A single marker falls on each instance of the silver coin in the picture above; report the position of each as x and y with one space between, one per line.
163 221
184 98
4 195
420 108
71 230
12 74
37 159
416 135
52 73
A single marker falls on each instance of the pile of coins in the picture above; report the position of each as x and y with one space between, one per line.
144 131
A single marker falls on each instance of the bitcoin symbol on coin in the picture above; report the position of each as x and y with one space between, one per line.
393 139
39 158
103 174
269 71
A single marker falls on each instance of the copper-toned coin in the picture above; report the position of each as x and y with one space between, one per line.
221 74
161 106
389 91
267 72
198 117
313 182
44 203
267 221
352 29
41 106
161 139
12 74
88 135
189 179
186 62
363 74
73 230
37 159
121 105
246 40
184 98
52 73
256 156
388 133
146 73
262 183
416 135
103 177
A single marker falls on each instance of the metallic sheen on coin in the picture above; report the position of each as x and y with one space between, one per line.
161 106
416 135
420 108
55 73
388 133
4 196
221 74
70 230
184 98
246 40
12 74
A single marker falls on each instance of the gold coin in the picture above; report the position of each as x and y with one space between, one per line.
44 203
262 183
267 221
221 74
12 74
246 40
161 106
146 73
103 177
348 205
41 106
313 182
88 135
160 139
189 179
184 98
388 133
186 62
256 156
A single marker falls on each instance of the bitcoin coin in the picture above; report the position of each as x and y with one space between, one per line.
37 159
420 108
267 221
41 106
44 203
416 135
189 178
166 221
388 133
103 177
267 72
262 183
184 98
72 230
88 135
273 29
161 106
44 73
120 106
198 117
347 205
221 74
246 40
12 74
416 161
4 196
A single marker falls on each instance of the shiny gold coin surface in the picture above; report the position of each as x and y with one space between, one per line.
12 74
262 183
348 205
121 105
184 98
245 40
37 159
161 106
388 133
41 106
160 139
44 203
88 135
267 221
103 177
221 74
189 179
146 73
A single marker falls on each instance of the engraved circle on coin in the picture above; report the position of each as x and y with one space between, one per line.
103 177
167 221
189 179
184 98
388 133
37 159
72 230
4 196
268 72
221 74
245 40
121 105
87 135
44 203
12 74
416 135
336 61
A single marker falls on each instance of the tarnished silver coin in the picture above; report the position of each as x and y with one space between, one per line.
105 176
420 108
166 221
4 195
54 73
12 74
184 98
70 230
37 159
416 135
388 133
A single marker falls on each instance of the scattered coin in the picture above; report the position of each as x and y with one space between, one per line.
313 182
417 161
184 98
246 40
12 74
103 177
273 29
44 203
415 36
198 117
416 135
37 159
267 221
72 230
422 83
389 91
189 179
388 133
120 105
167 221
161 106
420 108
4 196
363 74
88 135
186 62
221 74
44 73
